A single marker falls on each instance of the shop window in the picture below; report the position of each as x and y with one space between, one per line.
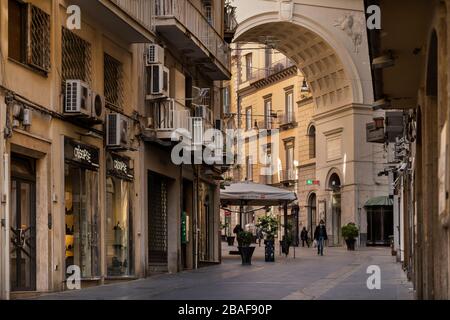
82 219
113 81
29 35
118 227
76 57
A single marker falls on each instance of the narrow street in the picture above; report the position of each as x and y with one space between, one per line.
338 275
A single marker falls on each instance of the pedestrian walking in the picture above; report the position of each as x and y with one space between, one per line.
259 235
320 235
304 237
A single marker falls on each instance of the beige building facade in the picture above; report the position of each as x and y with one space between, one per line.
335 179
89 188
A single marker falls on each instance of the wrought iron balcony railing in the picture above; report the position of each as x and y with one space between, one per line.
196 24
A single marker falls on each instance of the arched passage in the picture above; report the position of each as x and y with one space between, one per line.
329 68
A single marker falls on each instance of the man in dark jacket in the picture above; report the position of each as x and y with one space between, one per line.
320 235
304 237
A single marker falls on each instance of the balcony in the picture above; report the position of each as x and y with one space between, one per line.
168 117
266 124
287 119
266 179
189 32
230 22
287 176
275 70
128 19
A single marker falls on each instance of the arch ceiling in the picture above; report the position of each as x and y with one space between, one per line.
323 50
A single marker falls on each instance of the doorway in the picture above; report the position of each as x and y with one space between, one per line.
312 223
335 187
380 225
23 224
157 219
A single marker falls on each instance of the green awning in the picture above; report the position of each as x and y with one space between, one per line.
379 202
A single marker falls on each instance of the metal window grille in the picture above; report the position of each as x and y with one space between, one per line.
39 35
76 57
113 81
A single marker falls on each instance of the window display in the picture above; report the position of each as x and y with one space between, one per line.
82 213
118 217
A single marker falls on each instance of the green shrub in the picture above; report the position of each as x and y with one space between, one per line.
269 226
245 238
350 231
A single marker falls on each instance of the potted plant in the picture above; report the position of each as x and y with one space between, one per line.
287 240
350 232
245 239
269 227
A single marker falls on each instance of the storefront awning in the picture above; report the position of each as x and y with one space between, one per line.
379 202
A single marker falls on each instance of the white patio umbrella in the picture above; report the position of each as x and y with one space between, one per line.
254 194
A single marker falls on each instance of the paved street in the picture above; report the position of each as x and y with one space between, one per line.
338 275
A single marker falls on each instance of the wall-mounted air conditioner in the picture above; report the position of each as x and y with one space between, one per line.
97 107
204 112
157 82
77 98
154 54
117 131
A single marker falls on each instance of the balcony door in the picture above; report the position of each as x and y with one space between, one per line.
23 224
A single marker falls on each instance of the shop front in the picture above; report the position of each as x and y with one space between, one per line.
119 216
23 224
82 211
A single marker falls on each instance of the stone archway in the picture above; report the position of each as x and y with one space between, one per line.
328 42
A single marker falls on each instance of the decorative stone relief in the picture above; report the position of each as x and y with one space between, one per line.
354 28
286 10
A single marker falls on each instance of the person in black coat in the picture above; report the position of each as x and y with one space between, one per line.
304 237
320 235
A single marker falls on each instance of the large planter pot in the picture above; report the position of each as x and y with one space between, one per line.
269 251
230 241
350 244
246 255
285 247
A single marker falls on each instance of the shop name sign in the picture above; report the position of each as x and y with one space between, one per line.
82 154
119 166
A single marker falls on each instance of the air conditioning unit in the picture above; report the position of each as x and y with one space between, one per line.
117 131
157 82
204 112
77 98
97 107
154 55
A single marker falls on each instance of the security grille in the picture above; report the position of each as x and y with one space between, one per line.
39 54
113 81
157 220
76 57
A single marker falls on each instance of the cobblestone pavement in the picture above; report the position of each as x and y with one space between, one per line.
338 275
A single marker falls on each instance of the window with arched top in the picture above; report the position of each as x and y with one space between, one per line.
312 141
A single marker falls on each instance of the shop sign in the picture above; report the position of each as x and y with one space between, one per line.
81 153
119 166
